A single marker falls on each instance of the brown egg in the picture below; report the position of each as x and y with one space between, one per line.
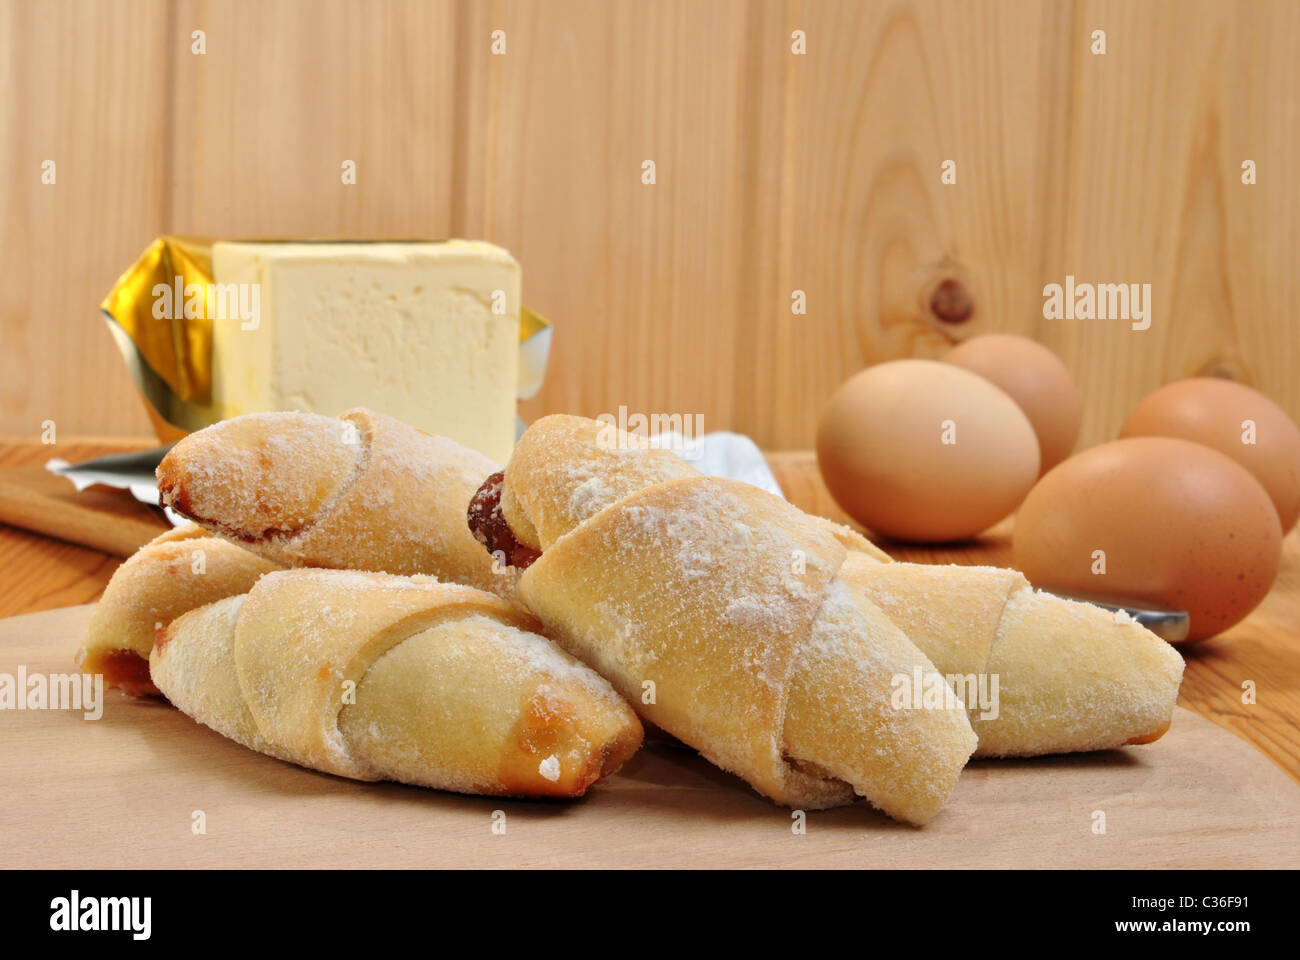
1037 380
1153 520
1235 420
919 450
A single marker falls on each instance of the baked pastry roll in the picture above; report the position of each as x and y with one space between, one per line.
175 572
718 611
377 677
362 491
1070 676
1059 675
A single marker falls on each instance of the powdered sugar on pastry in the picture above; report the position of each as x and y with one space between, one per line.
371 676
695 597
362 491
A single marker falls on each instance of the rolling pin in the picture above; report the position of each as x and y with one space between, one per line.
106 520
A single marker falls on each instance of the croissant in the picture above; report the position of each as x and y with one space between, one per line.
1069 676
379 677
175 572
717 609
362 491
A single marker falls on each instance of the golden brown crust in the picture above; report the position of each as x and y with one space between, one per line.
547 728
1147 737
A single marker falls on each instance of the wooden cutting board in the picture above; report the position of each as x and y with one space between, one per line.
101 517
126 790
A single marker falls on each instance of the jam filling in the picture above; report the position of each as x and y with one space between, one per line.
490 528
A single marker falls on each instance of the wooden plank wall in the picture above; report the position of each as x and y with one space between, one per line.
775 172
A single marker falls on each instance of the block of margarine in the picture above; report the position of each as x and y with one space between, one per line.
426 332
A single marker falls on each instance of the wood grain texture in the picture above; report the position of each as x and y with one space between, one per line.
85 87
774 172
39 573
286 93
1199 797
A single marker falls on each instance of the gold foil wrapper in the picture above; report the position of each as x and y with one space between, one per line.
170 358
